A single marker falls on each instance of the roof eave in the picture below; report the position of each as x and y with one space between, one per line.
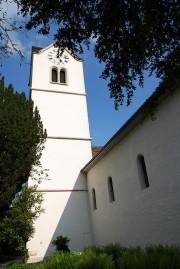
119 135
158 95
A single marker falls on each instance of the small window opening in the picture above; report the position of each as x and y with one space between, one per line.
111 190
54 75
62 76
94 199
144 181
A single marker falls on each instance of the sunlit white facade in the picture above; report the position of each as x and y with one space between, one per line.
63 110
128 193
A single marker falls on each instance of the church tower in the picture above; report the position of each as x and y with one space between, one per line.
57 89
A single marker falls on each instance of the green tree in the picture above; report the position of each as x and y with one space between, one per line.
130 36
22 140
8 25
17 227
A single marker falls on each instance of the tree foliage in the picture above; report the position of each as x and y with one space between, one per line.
17 227
8 26
22 140
130 36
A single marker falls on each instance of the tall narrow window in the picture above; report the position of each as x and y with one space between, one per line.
62 76
143 176
111 190
94 199
54 75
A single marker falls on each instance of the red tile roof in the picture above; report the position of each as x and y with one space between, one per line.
95 150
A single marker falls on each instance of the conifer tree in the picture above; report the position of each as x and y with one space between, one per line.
22 140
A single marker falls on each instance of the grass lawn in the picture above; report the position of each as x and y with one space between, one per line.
111 257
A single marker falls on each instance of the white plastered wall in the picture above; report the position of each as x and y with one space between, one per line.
63 112
64 210
63 159
41 73
140 216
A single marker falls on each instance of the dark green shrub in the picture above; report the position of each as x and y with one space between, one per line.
61 243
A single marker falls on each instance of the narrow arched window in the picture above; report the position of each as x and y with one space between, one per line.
94 199
111 190
143 176
62 76
54 75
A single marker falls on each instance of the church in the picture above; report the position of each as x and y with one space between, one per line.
126 192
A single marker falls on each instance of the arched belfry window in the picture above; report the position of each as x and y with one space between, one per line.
63 76
54 76
111 190
94 199
143 176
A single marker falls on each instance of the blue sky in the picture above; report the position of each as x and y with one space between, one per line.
104 120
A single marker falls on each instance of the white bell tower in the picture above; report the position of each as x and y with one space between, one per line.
57 89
